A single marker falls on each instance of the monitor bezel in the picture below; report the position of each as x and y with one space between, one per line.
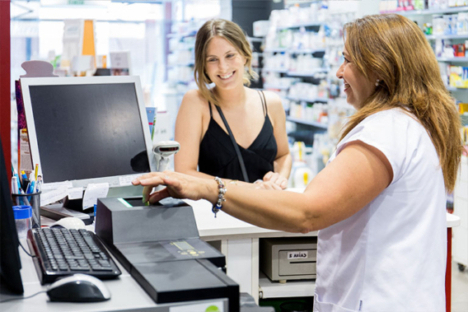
114 181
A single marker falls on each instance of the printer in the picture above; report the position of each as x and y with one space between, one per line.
160 247
289 258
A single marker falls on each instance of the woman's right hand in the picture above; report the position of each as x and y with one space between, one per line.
178 185
267 185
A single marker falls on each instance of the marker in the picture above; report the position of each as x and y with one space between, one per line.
23 175
35 172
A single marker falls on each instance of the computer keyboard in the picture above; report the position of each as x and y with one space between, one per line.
61 252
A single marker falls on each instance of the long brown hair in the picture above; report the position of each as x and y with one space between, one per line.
235 36
396 50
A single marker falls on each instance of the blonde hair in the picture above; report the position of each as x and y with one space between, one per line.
235 36
394 49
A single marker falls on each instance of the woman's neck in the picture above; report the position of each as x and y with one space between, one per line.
231 98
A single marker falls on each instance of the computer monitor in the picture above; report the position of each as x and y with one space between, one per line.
88 129
10 263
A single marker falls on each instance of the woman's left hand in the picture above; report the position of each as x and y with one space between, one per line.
178 185
277 179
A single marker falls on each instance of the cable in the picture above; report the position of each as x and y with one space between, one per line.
32 256
22 298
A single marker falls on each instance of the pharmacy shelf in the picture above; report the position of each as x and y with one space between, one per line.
308 73
441 36
295 51
452 59
307 122
184 82
192 33
275 70
456 89
306 51
182 64
268 289
305 99
429 12
274 86
276 50
188 48
300 25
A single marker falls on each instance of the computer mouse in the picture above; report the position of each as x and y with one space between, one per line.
69 223
78 288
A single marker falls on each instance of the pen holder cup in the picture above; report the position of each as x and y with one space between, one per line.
33 200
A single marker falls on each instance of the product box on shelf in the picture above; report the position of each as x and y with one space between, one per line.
260 28
458 77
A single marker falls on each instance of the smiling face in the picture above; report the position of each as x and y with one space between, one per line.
224 64
357 87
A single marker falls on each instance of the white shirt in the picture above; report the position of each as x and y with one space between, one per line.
391 255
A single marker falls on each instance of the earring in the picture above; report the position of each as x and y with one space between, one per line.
377 82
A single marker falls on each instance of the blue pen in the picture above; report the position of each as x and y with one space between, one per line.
31 187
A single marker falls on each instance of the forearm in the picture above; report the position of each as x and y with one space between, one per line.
283 165
202 175
279 210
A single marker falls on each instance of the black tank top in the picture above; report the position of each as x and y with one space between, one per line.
218 157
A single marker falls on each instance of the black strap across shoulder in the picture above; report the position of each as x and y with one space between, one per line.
236 147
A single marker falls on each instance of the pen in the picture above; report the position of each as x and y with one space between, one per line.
25 181
18 182
31 187
14 185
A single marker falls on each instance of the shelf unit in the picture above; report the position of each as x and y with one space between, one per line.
442 36
192 33
309 74
449 88
453 59
423 15
310 100
311 25
290 289
301 121
274 86
429 11
275 70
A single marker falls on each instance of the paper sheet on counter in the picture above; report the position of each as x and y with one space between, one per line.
49 197
75 193
93 192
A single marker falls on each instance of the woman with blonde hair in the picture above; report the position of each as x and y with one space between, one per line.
380 202
228 129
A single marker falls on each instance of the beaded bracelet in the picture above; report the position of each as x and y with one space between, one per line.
221 191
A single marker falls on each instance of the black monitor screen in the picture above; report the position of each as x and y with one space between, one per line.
87 131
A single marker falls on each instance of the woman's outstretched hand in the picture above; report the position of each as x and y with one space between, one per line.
178 185
276 179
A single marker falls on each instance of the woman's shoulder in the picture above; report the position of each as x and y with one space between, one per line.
273 102
194 96
393 115
193 100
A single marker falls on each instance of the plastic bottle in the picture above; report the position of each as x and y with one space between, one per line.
23 220
301 173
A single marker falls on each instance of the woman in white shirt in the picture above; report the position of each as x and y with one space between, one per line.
380 202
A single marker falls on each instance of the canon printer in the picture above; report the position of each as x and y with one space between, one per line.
160 247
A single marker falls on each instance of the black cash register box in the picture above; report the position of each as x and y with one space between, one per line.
159 246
